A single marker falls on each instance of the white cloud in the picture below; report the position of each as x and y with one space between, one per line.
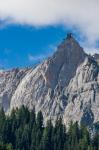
81 13
91 50
37 58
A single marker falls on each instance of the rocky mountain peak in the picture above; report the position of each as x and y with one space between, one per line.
69 36
69 42
66 84
62 65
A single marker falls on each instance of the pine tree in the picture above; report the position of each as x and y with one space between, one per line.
22 116
2 123
46 143
96 141
59 135
19 144
39 120
37 132
32 121
23 130
25 139
33 138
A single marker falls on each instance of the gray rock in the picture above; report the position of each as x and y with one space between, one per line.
66 84
83 91
43 86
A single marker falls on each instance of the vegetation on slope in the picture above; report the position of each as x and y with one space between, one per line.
24 130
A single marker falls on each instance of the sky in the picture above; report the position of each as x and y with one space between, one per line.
22 46
30 30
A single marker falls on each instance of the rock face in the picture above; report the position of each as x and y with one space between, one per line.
42 87
9 81
83 94
66 84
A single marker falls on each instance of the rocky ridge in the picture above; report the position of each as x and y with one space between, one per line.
65 84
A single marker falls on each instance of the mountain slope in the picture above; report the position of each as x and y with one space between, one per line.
83 94
65 84
42 87
9 81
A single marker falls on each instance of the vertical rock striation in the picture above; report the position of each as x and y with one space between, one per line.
65 84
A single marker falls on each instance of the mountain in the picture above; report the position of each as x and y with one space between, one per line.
83 95
66 84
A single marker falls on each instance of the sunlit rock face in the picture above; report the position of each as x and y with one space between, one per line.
9 81
66 84
83 94
43 86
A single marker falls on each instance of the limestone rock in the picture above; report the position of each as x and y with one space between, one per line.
43 86
65 84
83 94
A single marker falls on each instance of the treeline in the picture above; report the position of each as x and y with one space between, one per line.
23 130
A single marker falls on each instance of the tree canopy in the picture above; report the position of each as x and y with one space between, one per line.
24 130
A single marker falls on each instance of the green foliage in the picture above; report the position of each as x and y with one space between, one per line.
5 146
46 143
24 130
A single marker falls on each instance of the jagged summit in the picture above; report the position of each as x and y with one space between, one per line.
70 44
69 35
63 63
66 84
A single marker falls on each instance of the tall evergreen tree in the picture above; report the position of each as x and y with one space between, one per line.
2 123
46 143
23 130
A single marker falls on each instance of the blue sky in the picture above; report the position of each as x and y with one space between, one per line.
30 30
24 45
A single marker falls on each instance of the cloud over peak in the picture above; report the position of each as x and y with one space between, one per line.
82 14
